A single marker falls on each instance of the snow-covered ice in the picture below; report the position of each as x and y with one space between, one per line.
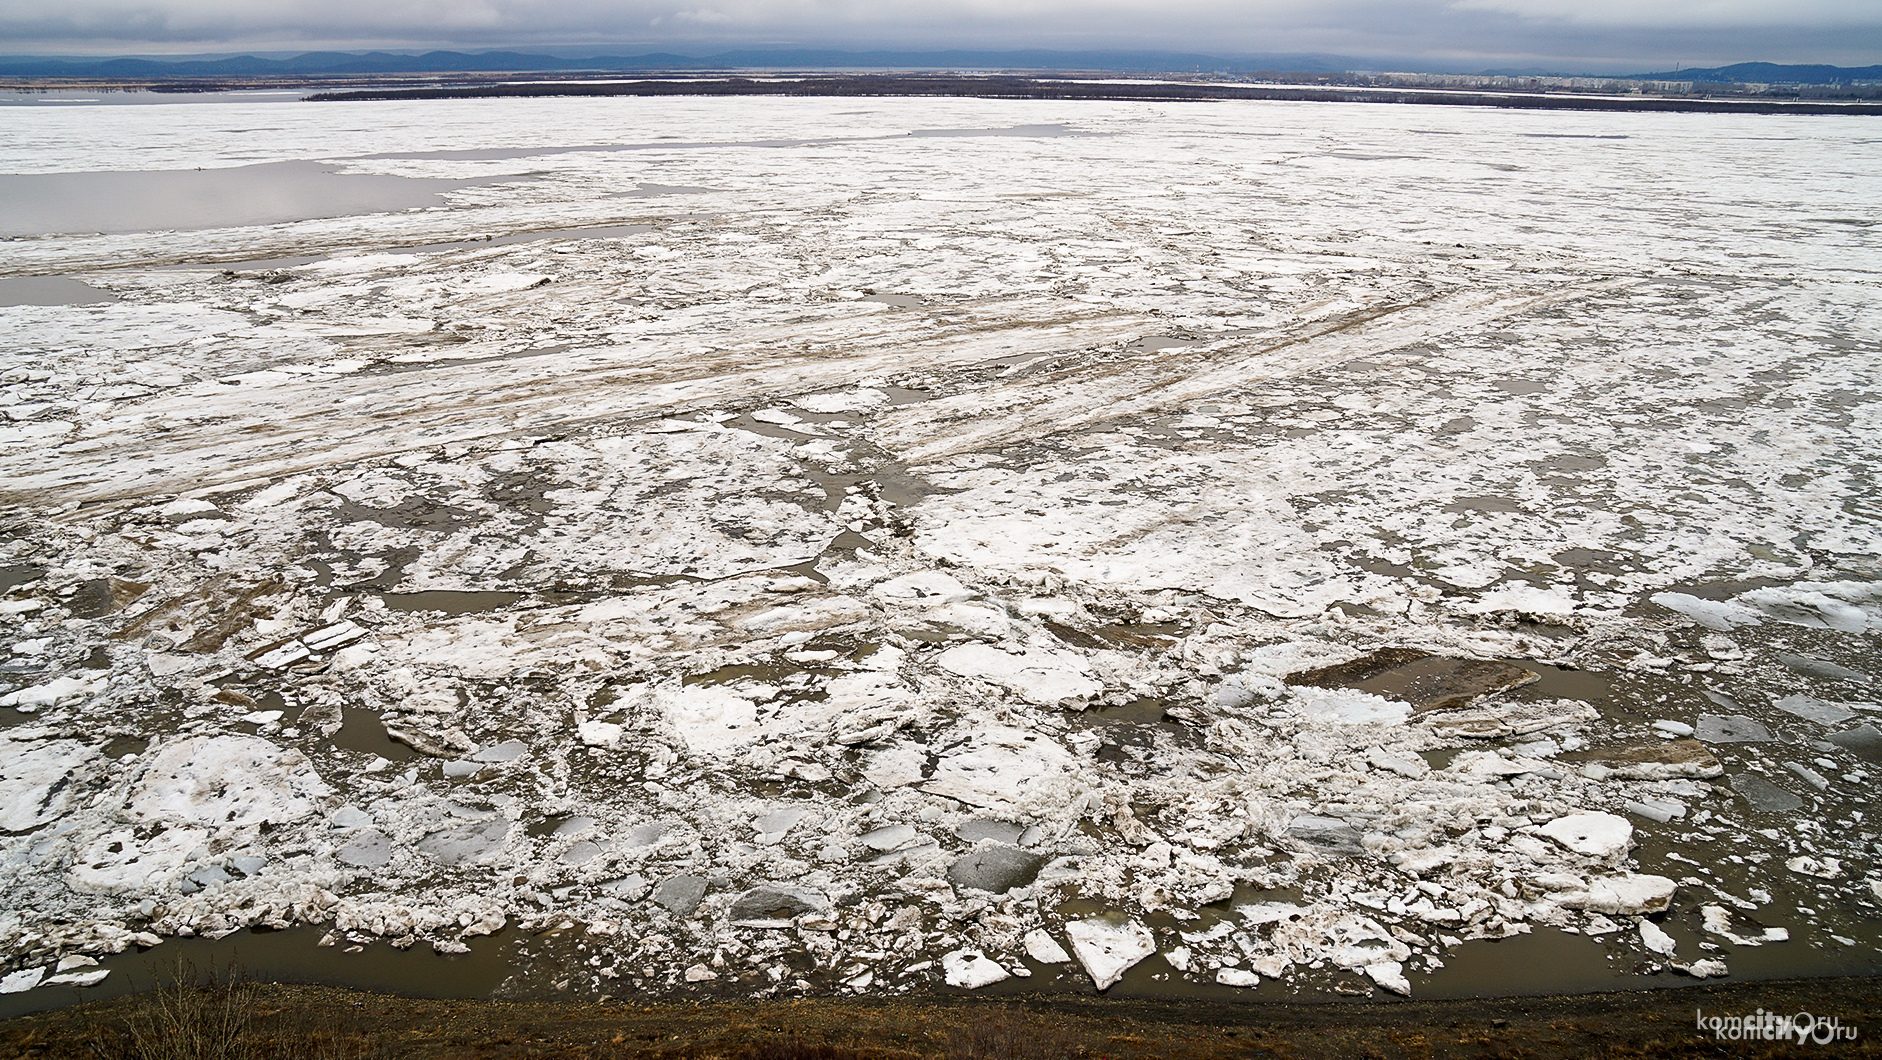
1295 540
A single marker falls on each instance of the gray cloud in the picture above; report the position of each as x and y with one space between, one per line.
1593 34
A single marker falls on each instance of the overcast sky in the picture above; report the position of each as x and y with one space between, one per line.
1599 35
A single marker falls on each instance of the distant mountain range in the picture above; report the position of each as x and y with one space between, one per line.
341 64
1771 73
316 64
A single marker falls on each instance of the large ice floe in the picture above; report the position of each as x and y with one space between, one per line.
736 546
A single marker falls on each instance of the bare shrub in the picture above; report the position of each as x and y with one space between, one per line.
198 1016
1002 1034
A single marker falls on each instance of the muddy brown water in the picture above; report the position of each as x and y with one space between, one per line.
293 955
362 730
450 601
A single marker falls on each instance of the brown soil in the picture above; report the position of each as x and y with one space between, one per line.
317 1023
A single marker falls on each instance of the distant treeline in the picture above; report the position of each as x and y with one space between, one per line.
1030 88
354 64
343 64
1770 74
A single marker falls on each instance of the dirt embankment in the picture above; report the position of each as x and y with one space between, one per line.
323 1023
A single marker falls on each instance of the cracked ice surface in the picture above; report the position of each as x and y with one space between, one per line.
869 582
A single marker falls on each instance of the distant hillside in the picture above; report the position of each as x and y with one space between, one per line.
317 64
1771 73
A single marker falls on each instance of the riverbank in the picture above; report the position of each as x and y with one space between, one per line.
316 1022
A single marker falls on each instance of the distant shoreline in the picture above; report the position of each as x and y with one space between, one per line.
1034 88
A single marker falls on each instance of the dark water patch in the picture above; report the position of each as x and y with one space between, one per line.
1544 961
291 956
1558 682
1143 711
1428 682
18 574
905 395
50 290
451 601
124 746
362 730
37 204
9 717
414 513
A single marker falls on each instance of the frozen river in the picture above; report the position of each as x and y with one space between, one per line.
762 546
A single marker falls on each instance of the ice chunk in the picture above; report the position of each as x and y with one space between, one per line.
711 720
1763 795
775 906
680 895
1340 706
21 981
1631 893
366 849
580 853
971 970
36 778
1809 775
225 781
994 867
1864 740
1815 709
1730 728
774 826
1818 605
1049 677
632 887
896 767
1042 947
122 862
1722 615
1661 760
1812 666
78 979
997 767
889 837
1404 763
923 588
507 751
599 733
1390 975
1241 977
1821 868
1596 834
53 692
466 843
1655 939
1661 810
1328 834
1109 946
1718 921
